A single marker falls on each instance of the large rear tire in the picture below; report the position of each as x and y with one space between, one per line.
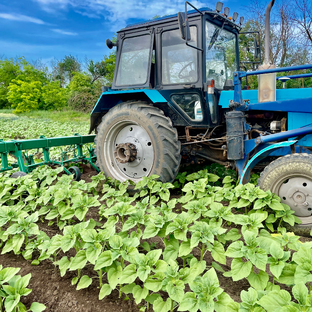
135 140
290 177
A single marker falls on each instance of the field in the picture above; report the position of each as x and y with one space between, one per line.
202 243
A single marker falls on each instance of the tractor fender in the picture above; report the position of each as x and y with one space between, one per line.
261 155
109 99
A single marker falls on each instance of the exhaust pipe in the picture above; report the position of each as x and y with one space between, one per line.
267 34
267 82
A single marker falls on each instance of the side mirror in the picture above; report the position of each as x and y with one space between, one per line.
110 44
257 48
184 26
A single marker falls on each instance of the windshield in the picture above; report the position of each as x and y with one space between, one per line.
220 55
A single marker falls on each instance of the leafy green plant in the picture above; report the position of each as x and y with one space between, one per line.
231 223
12 288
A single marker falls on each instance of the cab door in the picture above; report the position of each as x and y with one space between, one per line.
179 73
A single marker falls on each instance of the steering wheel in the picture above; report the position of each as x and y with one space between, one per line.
191 73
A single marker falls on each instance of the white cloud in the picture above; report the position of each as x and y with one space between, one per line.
63 32
120 11
21 18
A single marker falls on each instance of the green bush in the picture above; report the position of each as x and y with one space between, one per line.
83 92
32 90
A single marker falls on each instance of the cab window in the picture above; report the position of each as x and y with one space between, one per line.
134 61
179 61
221 60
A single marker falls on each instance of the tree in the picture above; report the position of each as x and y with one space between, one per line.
53 97
302 17
83 92
110 63
286 47
97 70
63 70
30 89
9 70
281 34
24 96
19 76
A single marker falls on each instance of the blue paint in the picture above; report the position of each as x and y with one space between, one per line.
294 105
109 99
252 95
287 150
263 153
296 120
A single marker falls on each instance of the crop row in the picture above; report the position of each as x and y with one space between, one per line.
241 227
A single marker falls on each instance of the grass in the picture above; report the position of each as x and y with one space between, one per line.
61 116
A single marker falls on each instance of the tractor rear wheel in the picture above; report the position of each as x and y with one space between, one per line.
290 177
135 140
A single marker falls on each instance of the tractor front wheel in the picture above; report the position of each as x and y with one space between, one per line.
135 140
290 177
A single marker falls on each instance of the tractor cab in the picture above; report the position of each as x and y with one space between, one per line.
188 58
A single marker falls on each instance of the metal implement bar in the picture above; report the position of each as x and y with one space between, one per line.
25 161
250 145
295 76
284 135
43 142
280 69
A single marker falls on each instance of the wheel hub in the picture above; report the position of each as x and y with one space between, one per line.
299 197
295 193
125 152
130 151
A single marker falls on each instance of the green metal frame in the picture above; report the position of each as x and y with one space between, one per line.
26 163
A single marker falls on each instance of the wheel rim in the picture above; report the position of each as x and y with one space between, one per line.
73 172
128 151
296 192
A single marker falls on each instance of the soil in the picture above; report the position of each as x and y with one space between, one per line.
57 293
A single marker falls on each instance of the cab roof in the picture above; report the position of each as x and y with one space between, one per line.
174 17
163 18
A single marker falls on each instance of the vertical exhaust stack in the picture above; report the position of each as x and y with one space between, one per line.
267 82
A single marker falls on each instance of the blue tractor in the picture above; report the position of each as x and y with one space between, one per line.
177 98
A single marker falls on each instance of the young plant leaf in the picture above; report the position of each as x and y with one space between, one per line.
84 282
105 291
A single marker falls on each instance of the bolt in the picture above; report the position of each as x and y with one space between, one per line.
305 204
295 205
297 190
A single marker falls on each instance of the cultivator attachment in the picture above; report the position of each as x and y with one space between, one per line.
26 162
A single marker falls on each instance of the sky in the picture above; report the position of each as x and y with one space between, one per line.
48 30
